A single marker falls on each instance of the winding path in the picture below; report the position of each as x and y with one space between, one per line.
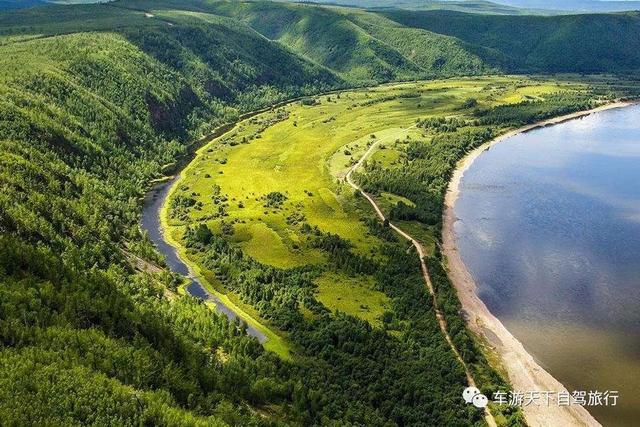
423 265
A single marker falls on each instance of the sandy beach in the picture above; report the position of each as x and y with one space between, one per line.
524 372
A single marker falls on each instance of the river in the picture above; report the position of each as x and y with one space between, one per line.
153 202
549 228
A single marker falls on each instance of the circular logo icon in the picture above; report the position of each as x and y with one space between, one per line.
468 394
480 401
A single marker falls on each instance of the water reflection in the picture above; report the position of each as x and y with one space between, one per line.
550 229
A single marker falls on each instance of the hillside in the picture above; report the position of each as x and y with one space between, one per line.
550 44
98 101
388 45
359 46
364 47
86 121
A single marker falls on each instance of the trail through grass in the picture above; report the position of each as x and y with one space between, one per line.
261 181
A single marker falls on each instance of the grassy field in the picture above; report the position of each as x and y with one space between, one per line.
258 183
356 296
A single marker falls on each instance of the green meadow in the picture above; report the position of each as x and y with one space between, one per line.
99 101
259 183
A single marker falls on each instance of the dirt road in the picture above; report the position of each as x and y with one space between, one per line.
423 265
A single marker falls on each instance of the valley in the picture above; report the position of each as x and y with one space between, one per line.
256 121
278 185
273 177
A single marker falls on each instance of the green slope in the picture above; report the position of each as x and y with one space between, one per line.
357 44
572 43
366 46
327 37
435 54
86 121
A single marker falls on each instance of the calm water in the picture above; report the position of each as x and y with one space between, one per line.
550 230
150 222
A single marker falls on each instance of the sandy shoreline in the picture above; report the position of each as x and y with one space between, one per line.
524 372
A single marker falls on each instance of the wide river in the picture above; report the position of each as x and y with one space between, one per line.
549 228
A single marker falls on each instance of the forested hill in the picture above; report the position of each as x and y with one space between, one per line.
590 43
365 46
94 101
361 47
87 119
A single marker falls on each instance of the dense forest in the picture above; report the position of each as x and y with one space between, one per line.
95 102
403 372
86 121
587 43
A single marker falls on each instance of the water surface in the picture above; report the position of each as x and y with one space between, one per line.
154 200
549 227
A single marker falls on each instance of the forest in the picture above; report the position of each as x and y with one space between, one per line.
97 101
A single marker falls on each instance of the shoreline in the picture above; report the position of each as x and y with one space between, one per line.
524 373
220 302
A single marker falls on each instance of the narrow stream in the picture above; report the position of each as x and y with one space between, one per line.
154 199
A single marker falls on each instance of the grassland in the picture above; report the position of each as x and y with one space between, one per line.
260 182
98 100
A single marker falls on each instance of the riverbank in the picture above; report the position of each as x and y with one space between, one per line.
523 371
154 221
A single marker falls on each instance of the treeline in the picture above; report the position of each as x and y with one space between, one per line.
86 121
445 124
406 378
277 294
425 172
340 254
450 306
532 111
